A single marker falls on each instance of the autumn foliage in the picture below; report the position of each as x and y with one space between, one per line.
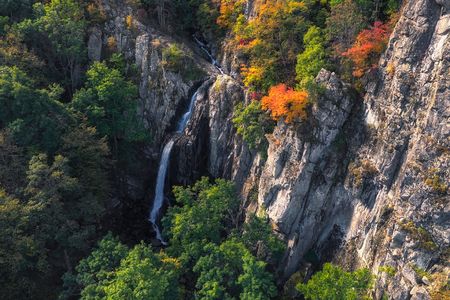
285 102
229 12
369 45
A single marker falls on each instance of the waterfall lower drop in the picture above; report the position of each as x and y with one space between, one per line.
162 170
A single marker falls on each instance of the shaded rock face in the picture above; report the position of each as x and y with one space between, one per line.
209 145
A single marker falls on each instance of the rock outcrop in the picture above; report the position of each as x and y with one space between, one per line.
372 191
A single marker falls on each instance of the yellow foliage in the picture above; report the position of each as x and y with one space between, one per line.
252 74
129 22
111 43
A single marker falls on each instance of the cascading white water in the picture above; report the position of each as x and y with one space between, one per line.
162 171
213 60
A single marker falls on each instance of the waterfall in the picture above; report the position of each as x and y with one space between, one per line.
213 60
162 170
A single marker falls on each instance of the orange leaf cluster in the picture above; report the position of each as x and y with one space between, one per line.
369 44
285 102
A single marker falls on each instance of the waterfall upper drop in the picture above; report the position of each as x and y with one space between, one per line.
213 60
162 170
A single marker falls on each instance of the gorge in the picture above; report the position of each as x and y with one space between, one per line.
279 149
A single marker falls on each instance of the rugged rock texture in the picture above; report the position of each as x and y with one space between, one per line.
362 183
386 197
210 143
164 93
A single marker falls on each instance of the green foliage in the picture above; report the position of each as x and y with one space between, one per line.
312 59
420 234
12 165
112 271
195 15
23 262
109 103
271 41
186 226
229 269
89 159
34 116
213 262
420 272
257 235
95 270
177 60
255 281
389 270
143 275
343 25
16 9
252 123
61 203
334 283
173 57
59 24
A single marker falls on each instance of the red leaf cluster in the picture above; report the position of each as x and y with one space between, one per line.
369 45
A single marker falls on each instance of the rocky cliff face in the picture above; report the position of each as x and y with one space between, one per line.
372 190
362 183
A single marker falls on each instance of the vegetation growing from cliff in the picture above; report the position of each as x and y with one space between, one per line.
253 123
334 283
175 59
284 102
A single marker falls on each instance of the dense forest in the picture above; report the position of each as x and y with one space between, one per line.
69 131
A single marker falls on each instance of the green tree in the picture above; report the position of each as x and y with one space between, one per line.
252 123
12 164
187 226
312 59
15 9
229 270
257 235
34 117
23 261
344 24
144 275
109 103
93 272
255 281
64 215
333 283
89 159
63 23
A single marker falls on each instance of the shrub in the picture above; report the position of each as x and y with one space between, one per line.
334 283
389 270
176 60
369 45
312 59
284 102
362 170
435 182
252 123
173 57
420 234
